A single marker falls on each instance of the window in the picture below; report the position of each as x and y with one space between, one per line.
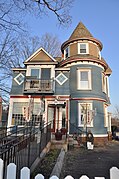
35 72
83 48
105 84
84 79
105 116
45 73
85 114
61 78
19 78
66 53
99 53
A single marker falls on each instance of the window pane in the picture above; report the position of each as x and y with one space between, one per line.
35 72
84 76
82 46
66 52
82 50
84 84
45 73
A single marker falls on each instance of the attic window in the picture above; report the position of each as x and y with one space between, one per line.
19 78
83 48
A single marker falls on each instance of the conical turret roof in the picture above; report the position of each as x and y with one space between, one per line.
80 31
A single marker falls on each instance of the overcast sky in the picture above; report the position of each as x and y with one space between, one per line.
101 17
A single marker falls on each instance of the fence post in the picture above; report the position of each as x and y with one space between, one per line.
11 171
84 177
114 173
39 176
68 177
54 177
1 168
25 173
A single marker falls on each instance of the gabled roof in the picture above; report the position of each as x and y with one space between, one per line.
40 56
80 31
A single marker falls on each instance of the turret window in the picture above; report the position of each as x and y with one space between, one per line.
66 53
83 48
84 79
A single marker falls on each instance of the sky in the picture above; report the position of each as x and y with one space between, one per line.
101 17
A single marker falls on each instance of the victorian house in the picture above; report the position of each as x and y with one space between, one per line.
71 92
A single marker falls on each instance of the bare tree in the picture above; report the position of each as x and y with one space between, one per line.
116 115
12 11
51 44
14 50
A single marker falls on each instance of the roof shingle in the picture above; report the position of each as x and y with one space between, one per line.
80 31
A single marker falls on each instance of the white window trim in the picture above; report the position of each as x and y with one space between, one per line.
68 52
89 79
104 83
105 116
99 53
52 67
36 68
17 77
79 112
87 48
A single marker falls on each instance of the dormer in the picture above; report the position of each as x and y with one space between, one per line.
40 72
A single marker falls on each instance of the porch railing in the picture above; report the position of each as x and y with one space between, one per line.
32 84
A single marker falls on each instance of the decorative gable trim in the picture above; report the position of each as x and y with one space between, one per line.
36 53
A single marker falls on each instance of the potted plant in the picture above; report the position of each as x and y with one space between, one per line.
58 135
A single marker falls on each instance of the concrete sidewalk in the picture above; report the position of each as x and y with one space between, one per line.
93 163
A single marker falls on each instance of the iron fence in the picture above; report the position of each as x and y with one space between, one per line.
23 145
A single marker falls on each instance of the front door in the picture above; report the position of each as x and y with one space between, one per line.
51 117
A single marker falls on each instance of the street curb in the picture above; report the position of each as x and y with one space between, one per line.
58 166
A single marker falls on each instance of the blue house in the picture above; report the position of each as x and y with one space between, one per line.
71 92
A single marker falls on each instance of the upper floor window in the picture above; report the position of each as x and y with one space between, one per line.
35 72
66 53
105 84
99 53
84 79
83 48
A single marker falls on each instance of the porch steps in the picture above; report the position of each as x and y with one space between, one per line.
72 143
59 144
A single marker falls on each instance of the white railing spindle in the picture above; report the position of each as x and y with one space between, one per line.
25 173
84 177
11 171
69 177
1 168
39 176
114 173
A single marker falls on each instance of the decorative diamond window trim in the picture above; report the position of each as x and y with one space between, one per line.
59 77
19 76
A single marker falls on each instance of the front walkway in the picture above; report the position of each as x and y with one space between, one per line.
93 163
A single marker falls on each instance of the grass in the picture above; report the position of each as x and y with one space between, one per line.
47 164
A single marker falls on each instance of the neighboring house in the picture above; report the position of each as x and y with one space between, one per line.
72 92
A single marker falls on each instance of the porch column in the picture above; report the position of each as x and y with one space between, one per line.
10 113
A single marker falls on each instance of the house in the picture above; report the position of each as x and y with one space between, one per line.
71 92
